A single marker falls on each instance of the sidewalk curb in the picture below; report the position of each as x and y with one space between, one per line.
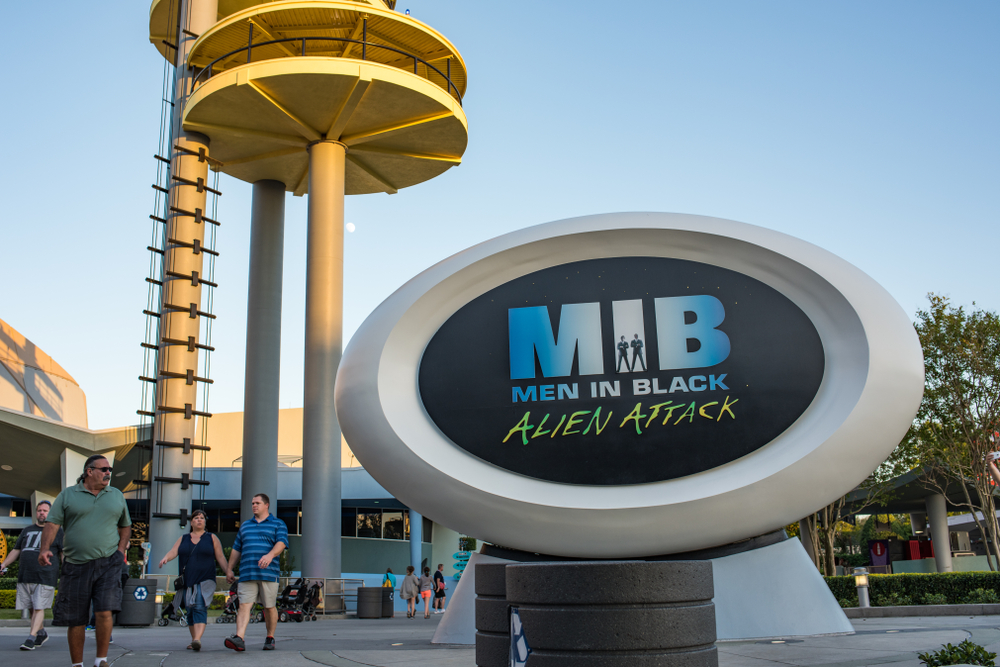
924 610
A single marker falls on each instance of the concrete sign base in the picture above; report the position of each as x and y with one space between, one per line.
774 591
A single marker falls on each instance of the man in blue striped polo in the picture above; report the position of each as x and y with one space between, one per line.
257 546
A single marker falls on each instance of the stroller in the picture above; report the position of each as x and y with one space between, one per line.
298 601
171 613
232 607
289 607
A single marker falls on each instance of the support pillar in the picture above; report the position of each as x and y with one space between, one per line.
263 356
187 201
416 537
937 514
321 511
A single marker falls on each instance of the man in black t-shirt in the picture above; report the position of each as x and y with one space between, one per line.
439 588
36 584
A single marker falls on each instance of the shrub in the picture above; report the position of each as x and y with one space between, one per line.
982 596
892 600
934 598
857 560
954 586
7 599
845 603
8 584
965 653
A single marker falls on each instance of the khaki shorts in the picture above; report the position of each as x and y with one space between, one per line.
34 596
265 592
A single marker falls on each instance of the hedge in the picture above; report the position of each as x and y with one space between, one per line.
955 586
7 599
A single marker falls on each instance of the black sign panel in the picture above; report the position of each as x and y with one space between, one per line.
621 370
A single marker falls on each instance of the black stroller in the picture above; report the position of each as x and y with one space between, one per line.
177 614
232 607
298 601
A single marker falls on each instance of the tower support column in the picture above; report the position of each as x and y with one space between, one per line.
321 511
263 356
173 432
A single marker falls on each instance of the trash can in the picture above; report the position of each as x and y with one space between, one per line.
370 602
388 601
138 602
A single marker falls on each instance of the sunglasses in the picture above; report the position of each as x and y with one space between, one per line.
104 469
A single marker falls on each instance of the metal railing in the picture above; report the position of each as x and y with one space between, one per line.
363 42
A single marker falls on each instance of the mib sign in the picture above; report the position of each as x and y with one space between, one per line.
622 370
629 385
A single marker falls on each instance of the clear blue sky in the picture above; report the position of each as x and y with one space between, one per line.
867 128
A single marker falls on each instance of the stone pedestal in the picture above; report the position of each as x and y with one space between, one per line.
599 613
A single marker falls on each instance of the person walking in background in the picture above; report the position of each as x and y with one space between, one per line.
426 590
36 584
409 591
198 551
389 580
257 547
97 530
439 589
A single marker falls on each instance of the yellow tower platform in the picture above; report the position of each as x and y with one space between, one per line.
279 76
325 97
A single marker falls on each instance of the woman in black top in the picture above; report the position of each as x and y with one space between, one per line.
199 551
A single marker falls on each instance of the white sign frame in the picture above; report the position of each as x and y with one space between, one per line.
872 386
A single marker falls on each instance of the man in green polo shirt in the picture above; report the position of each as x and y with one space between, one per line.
97 527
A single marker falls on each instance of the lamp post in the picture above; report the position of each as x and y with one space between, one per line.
861 581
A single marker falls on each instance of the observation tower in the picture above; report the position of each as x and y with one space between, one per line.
324 98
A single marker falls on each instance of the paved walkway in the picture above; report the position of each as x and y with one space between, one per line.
399 641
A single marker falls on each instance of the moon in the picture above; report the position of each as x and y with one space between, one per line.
351 227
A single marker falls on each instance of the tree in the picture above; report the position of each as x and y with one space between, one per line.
959 416
823 528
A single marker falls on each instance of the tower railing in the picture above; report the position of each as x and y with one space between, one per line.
208 71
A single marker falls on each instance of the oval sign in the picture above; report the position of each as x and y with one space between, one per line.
675 367
629 385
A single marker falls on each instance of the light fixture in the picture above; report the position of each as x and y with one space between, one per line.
6 467
861 581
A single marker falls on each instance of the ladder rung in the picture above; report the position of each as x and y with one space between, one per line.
155 282
162 159
145 413
197 246
191 345
194 278
158 188
157 218
197 215
152 249
150 313
192 309
200 184
189 376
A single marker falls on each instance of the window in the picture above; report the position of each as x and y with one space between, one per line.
229 521
428 534
290 515
369 523
348 522
393 525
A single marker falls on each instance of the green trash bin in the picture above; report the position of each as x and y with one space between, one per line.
138 603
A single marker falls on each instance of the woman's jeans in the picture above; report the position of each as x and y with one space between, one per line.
197 612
